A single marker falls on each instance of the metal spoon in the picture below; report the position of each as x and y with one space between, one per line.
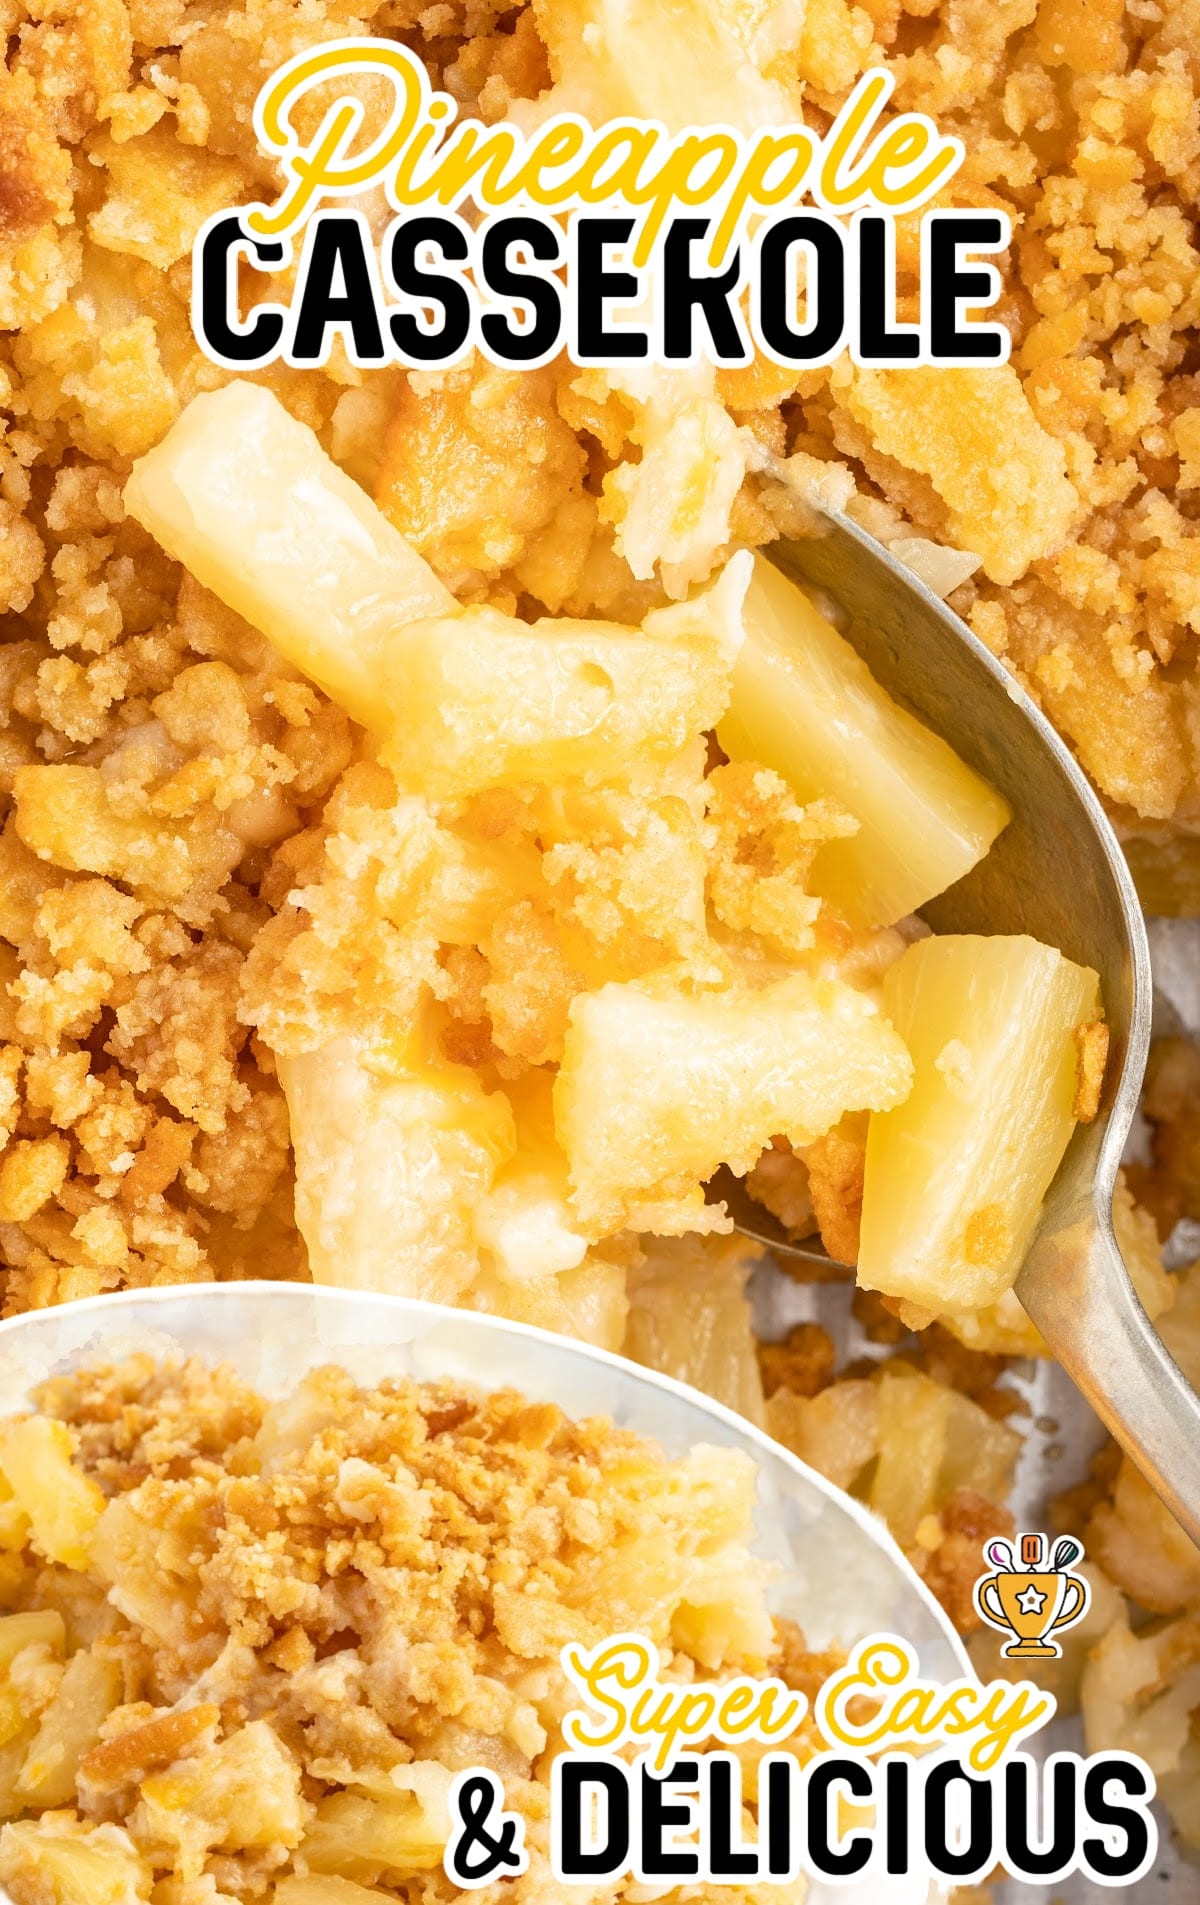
1057 873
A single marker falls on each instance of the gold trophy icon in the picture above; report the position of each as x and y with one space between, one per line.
1032 1601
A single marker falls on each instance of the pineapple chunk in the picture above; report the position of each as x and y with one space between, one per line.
12 1759
836 1432
1001 1329
412 1178
63 1504
17 1632
805 704
146 1568
721 1618
691 65
981 1452
393 1151
14 1522
359 1837
683 1572
933 1442
525 1220
42 1628
955 1176
241 1794
657 1089
689 1317
588 1303
245 497
914 1423
484 700
60 1863
87 1693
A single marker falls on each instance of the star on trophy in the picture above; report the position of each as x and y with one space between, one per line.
1032 1601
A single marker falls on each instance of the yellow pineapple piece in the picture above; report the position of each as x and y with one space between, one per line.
356 1836
58 1862
700 63
62 1503
588 1303
14 1522
956 1175
484 700
805 704
147 1570
240 1794
525 1220
12 1713
689 1317
981 1451
412 1177
12 1759
657 1088
245 497
933 1442
720 1618
836 1431
43 1628
70 1726
684 1573
393 1151
914 1423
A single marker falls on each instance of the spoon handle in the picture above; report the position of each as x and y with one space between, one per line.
1076 1289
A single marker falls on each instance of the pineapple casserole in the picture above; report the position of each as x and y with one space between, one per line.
551 959
435 838
245 1646
229 848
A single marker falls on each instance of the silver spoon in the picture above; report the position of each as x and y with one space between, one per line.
1057 873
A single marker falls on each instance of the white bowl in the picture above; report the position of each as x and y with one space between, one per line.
839 1574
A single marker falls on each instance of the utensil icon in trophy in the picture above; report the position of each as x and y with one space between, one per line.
1033 1600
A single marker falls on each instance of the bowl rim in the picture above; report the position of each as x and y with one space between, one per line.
420 1308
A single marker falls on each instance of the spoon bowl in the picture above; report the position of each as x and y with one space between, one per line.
1057 873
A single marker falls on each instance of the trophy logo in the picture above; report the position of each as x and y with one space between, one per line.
1031 1599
